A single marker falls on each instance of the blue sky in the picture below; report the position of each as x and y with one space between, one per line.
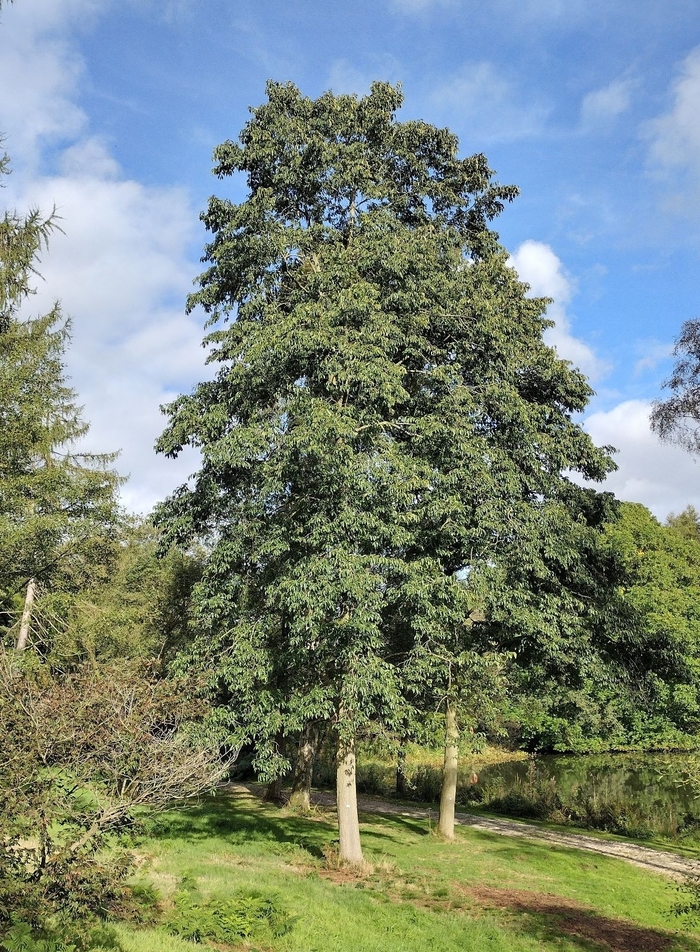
111 111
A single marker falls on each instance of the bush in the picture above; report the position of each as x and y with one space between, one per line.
374 779
80 752
245 915
613 815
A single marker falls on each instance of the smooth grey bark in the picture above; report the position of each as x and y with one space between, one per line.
300 797
24 626
346 800
448 792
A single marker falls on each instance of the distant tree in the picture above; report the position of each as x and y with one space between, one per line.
141 609
58 505
620 666
386 419
677 419
686 522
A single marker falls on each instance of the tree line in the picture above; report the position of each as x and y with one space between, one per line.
392 531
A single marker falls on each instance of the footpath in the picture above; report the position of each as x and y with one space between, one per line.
656 861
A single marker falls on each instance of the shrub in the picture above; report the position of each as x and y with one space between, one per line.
245 915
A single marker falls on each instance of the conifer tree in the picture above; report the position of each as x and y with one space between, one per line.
385 421
58 505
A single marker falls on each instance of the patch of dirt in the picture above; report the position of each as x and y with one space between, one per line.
571 918
343 875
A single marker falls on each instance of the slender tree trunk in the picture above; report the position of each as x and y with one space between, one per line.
273 793
346 800
401 772
23 636
300 797
448 792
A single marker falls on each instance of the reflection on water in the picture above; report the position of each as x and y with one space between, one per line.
651 793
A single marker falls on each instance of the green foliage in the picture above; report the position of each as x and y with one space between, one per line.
57 506
69 938
141 610
385 426
625 675
686 522
243 915
22 238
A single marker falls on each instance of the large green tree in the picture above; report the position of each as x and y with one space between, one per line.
385 422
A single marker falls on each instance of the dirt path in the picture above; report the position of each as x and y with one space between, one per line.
656 861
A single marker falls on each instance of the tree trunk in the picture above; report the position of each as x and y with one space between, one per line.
23 636
300 797
401 772
273 793
346 800
448 792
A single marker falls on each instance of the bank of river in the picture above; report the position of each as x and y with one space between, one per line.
637 794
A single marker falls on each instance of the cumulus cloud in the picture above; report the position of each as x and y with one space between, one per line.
540 267
602 105
121 267
490 105
663 477
43 70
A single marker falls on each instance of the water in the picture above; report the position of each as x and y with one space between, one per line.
661 790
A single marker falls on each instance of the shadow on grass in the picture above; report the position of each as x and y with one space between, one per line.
412 827
549 917
237 821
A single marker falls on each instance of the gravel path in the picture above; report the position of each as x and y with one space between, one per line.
656 861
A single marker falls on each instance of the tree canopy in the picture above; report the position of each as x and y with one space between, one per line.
386 419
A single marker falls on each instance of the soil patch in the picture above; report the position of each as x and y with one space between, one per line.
571 918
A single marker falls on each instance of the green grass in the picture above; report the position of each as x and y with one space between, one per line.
417 896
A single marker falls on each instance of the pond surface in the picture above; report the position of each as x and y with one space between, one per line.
660 780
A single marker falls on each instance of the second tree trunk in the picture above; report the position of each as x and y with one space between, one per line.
448 793
346 800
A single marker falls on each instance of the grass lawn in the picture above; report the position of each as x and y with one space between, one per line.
482 892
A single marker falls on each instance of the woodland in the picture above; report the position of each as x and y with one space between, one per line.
394 536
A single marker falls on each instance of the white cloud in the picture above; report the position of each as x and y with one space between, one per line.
664 478
652 353
489 105
346 77
674 138
43 70
121 267
122 272
540 267
603 105
411 7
